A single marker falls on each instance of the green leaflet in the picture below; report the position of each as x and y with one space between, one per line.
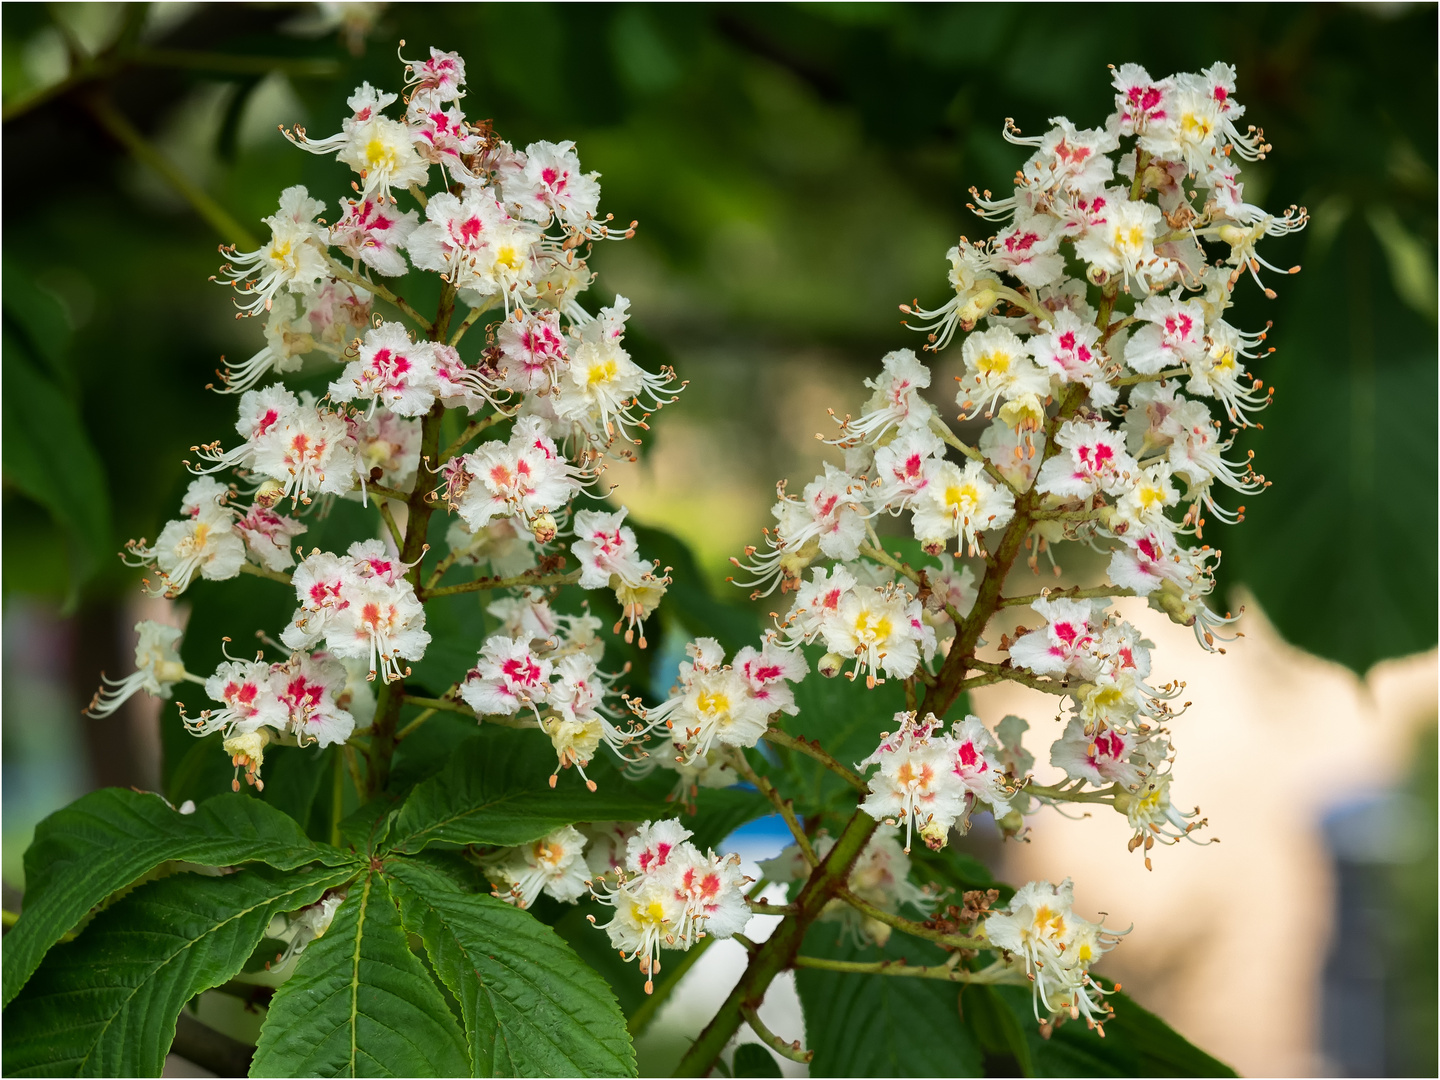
360 1002
496 790
531 1006
752 1059
1349 447
882 1025
105 1004
107 839
1136 1042
49 452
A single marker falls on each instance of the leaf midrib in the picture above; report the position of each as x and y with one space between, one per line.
190 943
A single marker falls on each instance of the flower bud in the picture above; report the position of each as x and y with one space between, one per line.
544 528
830 664
248 751
269 493
935 834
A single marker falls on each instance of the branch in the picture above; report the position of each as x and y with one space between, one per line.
787 811
909 926
776 737
1006 673
529 578
785 1049
341 271
1075 593
1004 973
265 572
124 132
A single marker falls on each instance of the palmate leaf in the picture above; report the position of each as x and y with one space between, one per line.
360 1003
105 1004
531 1006
108 839
496 790
867 1025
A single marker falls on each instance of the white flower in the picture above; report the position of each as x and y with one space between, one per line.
507 678
998 367
158 667
1093 459
959 503
392 371
203 542
553 864
883 630
895 402
916 782
309 686
1056 947
294 259
375 233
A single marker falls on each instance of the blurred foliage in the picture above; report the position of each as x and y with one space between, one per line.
797 171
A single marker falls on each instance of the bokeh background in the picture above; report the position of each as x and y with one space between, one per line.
799 171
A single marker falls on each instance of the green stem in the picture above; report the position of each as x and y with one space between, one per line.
388 516
265 572
530 578
1076 593
899 967
113 121
337 798
783 806
776 737
408 729
341 271
475 427
785 1049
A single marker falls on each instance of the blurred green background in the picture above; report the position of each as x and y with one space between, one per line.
797 172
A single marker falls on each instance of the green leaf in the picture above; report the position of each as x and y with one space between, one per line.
49 456
1348 447
882 1025
360 1002
594 948
752 1059
496 790
531 1006
1136 1042
105 1004
107 839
